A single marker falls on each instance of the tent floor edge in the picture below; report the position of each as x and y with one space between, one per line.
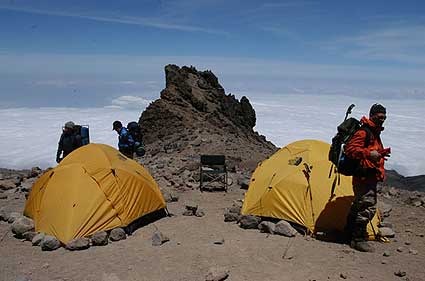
145 220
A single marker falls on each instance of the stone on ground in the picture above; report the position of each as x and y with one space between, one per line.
50 243
217 274
284 228
267 227
386 232
77 244
117 234
22 225
29 235
37 239
100 238
249 222
158 238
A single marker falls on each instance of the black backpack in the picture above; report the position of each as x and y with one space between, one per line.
135 131
344 164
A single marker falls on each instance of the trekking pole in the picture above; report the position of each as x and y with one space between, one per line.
349 110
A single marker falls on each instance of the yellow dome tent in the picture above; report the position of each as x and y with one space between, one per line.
94 188
294 185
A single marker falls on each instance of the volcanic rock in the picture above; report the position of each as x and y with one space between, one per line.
285 229
195 116
22 225
77 244
50 243
100 238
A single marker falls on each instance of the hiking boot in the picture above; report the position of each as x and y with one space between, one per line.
362 246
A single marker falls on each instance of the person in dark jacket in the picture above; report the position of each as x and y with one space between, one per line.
371 154
125 140
68 142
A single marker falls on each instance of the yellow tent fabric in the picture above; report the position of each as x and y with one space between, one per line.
94 188
294 185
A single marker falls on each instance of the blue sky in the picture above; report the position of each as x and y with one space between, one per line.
103 53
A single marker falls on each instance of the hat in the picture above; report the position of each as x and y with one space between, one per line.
116 125
377 108
69 125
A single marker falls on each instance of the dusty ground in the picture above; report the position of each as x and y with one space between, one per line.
247 254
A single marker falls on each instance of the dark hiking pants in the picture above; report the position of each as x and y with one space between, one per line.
362 210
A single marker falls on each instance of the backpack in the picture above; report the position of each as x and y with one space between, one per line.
136 133
344 164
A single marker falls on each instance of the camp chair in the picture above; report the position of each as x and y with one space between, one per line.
212 169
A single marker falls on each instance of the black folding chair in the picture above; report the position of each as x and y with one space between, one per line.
213 170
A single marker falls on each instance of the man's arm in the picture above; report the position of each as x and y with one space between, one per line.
356 149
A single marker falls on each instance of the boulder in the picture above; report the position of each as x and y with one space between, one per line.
77 244
158 238
117 234
284 228
267 227
50 243
22 225
37 239
100 238
249 222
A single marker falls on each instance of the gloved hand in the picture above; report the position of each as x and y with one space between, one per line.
374 156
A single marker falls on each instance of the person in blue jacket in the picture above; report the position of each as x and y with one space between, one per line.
125 140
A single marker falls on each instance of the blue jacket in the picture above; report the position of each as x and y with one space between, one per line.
125 140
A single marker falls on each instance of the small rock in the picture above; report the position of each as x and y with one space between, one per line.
386 232
217 274
413 252
191 206
393 191
400 273
29 235
7 184
199 213
3 215
384 262
45 266
235 209
400 249
407 243
158 238
384 208
50 243
3 196
420 235
188 213
387 254
78 244
37 239
408 230
13 216
22 225
285 229
249 222
100 238
219 242
23 278
343 276
416 203
228 217
35 172
117 234
267 227
243 182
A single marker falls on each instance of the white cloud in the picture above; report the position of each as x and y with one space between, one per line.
132 102
405 44
149 22
282 119
55 83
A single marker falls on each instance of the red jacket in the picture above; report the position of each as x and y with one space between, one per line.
356 149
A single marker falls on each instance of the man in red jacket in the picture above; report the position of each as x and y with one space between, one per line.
366 146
